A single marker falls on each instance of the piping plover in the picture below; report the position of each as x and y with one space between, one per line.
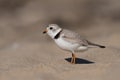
69 40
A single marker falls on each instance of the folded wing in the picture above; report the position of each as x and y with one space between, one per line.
73 37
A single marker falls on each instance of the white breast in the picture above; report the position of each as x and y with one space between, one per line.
66 45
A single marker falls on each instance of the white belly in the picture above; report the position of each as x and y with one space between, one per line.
66 45
70 46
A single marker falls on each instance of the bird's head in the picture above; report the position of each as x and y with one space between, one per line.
52 30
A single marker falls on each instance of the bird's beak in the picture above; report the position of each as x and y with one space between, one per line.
45 31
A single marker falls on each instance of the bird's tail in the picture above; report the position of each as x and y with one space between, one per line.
94 45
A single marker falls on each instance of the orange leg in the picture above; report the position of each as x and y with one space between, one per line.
73 59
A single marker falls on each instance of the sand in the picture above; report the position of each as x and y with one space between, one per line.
36 57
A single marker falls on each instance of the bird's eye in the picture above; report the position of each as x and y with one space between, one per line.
51 28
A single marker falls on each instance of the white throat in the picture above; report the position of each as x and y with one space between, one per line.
53 34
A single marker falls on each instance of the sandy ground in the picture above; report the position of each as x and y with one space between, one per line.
27 54
36 57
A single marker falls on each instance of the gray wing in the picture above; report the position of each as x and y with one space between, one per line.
73 37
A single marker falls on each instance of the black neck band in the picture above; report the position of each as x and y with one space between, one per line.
57 35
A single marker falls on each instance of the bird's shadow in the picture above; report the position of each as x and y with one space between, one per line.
80 61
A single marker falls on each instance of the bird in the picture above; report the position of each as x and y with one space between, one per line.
69 40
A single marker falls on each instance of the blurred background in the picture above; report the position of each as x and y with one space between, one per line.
20 18
23 44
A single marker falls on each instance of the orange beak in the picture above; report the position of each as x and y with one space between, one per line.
45 31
